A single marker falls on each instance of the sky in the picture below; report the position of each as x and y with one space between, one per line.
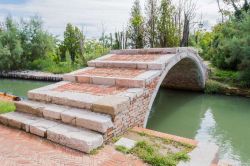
93 16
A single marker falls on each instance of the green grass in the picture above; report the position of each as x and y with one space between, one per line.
153 151
188 147
6 107
122 149
142 134
225 76
96 151
115 139
150 155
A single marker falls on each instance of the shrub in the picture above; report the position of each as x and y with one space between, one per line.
48 65
214 87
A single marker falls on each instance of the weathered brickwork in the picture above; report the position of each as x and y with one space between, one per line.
136 112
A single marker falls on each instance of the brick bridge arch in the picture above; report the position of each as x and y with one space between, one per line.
113 94
184 71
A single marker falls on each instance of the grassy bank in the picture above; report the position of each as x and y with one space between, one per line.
6 107
156 151
225 82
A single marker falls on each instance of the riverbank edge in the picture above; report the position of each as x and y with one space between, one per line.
216 87
32 75
200 154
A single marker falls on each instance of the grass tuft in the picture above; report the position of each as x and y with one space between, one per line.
122 149
142 134
150 155
115 139
96 151
6 107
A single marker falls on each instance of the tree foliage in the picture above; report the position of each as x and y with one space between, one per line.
136 26
151 10
228 46
10 46
73 42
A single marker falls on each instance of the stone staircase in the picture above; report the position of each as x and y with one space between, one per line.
93 104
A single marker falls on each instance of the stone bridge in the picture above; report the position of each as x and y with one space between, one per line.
113 94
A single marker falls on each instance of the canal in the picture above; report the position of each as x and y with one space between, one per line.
223 120
20 87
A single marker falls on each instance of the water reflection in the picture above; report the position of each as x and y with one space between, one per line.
219 119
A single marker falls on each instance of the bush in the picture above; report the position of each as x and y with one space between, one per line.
245 78
48 65
213 87
225 76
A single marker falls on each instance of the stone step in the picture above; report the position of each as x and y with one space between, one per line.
136 61
98 98
69 115
133 78
76 138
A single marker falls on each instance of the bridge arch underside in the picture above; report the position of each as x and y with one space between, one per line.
185 75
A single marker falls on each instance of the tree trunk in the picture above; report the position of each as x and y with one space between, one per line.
220 10
185 37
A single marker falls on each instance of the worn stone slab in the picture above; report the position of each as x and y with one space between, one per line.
119 78
78 117
19 120
40 109
30 107
111 105
146 51
72 76
73 137
130 65
103 80
52 111
125 142
76 138
40 128
67 98
90 120
203 154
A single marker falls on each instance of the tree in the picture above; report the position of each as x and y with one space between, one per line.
151 22
10 46
35 41
121 39
240 6
136 26
167 31
73 39
189 14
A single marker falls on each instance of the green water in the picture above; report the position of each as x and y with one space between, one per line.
20 87
223 120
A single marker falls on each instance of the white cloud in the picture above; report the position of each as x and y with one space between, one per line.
113 14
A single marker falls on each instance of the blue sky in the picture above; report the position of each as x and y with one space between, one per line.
93 15
12 1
